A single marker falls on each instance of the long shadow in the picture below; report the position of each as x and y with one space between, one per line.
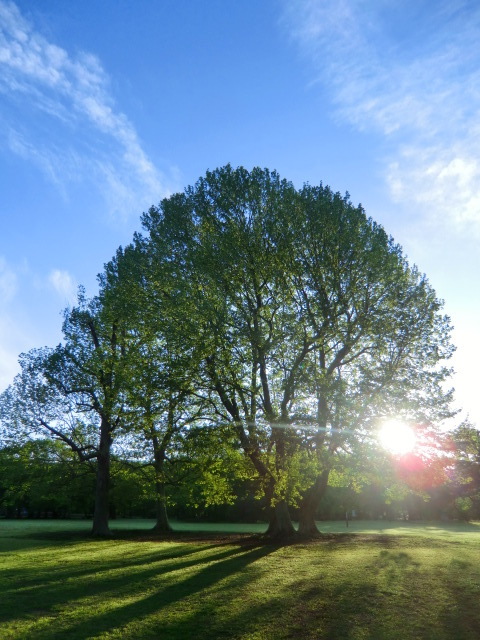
68 570
233 563
33 539
309 609
461 616
182 546
15 540
47 593
351 607
45 578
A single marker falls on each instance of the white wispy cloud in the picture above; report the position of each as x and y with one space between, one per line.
64 284
414 79
73 92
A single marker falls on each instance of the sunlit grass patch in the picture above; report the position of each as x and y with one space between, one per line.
355 586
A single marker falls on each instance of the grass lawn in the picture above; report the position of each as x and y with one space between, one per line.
371 581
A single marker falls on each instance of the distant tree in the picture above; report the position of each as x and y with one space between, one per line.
43 477
466 441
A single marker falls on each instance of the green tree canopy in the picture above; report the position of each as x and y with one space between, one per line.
305 319
284 318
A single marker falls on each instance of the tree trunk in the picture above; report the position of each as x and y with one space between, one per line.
307 526
280 526
309 505
101 512
162 525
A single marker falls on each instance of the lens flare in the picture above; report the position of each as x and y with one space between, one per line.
397 436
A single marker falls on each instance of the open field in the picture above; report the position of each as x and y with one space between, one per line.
375 581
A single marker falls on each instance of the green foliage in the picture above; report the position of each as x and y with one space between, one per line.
283 320
466 472
305 319
41 478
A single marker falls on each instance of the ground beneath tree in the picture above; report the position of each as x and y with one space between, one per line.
236 539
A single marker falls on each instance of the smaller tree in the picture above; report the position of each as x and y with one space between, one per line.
74 393
161 390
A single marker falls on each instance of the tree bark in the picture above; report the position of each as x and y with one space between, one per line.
281 525
159 448
162 524
308 508
101 511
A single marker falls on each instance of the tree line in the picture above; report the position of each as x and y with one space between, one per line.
253 334
42 478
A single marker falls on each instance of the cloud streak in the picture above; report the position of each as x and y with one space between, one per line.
80 134
64 284
412 74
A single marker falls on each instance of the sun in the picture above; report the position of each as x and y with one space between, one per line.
397 436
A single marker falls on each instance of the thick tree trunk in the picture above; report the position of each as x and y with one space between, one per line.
101 512
280 526
306 517
309 505
162 525
159 449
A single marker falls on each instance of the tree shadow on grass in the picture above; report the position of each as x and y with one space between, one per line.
389 600
48 588
24 540
299 612
224 594
351 608
227 563
461 615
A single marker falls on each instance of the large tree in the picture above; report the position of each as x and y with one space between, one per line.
306 320
372 324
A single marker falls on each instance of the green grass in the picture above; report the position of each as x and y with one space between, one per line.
375 581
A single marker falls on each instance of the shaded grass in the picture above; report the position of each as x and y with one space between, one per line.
374 582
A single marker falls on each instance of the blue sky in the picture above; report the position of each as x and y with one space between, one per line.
106 107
